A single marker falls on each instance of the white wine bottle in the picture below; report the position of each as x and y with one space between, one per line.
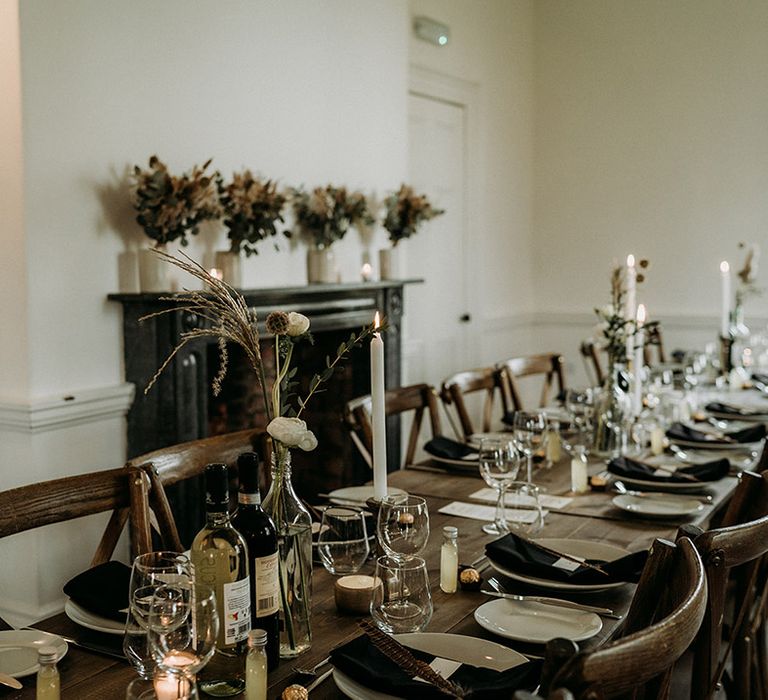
220 559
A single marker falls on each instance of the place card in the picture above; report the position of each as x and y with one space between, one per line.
547 501
488 513
445 667
567 564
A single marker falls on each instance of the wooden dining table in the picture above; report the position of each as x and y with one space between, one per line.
86 675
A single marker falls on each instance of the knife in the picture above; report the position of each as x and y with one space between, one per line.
10 681
99 648
605 612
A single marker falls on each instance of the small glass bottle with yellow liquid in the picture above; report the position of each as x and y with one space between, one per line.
256 666
449 560
48 674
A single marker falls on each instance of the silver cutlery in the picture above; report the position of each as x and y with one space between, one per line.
620 488
319 680
312 671
556 602
10 681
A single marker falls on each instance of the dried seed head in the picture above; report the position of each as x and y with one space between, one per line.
277 323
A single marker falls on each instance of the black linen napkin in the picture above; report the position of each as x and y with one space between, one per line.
364 663
102 590
523 557
678 431
708 471
448 449
758 377
728 409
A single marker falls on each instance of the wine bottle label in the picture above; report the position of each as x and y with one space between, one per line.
249 499
267 585
237 610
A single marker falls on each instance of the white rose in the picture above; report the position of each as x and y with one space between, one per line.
298 324
606 311
292 432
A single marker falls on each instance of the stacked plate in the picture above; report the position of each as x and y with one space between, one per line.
18 650
92 621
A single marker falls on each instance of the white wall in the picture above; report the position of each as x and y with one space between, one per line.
650 138
302 91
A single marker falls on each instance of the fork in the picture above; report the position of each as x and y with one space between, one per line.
499 588
312 671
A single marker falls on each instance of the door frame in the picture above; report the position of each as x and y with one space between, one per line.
431 84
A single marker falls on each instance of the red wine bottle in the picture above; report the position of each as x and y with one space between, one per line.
261 538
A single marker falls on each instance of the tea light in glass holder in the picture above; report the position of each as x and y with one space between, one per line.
173 684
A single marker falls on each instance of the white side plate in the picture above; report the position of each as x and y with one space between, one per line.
358 494
660 506
93 622
18 650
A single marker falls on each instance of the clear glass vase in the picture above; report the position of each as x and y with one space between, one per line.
613 411
294 532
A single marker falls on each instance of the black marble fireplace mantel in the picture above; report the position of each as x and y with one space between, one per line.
176 410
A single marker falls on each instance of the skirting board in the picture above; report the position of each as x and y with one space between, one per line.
77 408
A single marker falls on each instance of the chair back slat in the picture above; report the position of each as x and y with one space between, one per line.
487 380
547 365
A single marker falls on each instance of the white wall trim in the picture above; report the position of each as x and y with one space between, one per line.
699 322
77 408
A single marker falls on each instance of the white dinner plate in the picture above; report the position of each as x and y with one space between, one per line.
358 494
536 623
726 446
659 505
475 438
18 650
680 486
744 460
469 463
92 621
578 548
469 650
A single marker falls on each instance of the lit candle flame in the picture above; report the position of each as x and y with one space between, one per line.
724 266
376 320
630 260
641 315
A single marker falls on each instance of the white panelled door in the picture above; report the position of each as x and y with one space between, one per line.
436 317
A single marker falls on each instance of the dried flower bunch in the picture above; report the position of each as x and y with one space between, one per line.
172 207
227 318
748 274
252 209
613 328
325 215
405 212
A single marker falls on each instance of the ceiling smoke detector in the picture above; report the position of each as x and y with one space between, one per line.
431 31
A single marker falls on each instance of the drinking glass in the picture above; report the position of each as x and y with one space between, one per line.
528 428
343 540
162 687
403 526
403 603
182 630
149 571
500 461
523 497
580 404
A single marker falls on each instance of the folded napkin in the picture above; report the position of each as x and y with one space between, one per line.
448 449
364 663
708 471
758 377
728 409
524 557
678 431
102 590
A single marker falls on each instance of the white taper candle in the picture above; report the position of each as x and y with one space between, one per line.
637 365
725 288
378 415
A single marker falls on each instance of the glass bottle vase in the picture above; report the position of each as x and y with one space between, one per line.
612 414
294 535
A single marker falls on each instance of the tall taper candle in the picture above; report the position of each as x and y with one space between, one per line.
725 288
630 299
378 416
637 365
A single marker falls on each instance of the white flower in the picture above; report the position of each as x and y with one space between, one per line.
292 432
298 324
606 311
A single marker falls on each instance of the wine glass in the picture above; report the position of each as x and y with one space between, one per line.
403 525
528 427
523 496
182 627
343 540
149 572
500 461
580 404
403 601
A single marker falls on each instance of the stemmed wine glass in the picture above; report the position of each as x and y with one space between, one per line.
528 427
403 525
580 404
500 461
182 628
149 572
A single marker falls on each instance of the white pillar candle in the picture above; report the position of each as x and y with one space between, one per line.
725 288
638 363
378 415
630 298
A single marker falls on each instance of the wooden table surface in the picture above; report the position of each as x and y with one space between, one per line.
89 676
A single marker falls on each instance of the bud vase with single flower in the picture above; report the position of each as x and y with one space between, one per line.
612 413
294 533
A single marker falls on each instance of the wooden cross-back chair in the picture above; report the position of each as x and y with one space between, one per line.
735 557
68 498
662 622
591 352
487 380
548 365
420 399
171 465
